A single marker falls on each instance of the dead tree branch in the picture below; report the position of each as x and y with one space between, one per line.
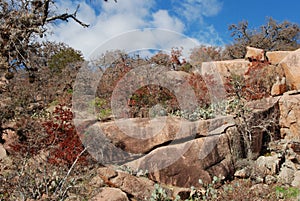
66 16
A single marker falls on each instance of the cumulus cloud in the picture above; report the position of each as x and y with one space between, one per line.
110 20
162 19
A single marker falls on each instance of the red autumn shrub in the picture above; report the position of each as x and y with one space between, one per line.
30 137
256 83
62 135
199 85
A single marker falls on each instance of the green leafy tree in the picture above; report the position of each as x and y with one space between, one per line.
60 60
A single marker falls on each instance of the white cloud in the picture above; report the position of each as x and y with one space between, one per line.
158 39
112 20
109 20
162 19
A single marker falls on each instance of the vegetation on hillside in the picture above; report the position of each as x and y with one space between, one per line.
37 88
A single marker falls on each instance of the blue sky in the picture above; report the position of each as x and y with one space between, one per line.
205 21
255 12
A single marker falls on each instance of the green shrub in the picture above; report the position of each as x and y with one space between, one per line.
187 67
101 108
209 112
64 57
160 194
286 192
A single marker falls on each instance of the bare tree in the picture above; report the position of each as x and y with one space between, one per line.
205 53
272 36
253 119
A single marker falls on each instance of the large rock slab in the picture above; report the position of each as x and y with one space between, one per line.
124 140
223 69
203 159
141 135
289 122
291 67
275 57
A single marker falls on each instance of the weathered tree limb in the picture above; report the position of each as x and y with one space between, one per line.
66 16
